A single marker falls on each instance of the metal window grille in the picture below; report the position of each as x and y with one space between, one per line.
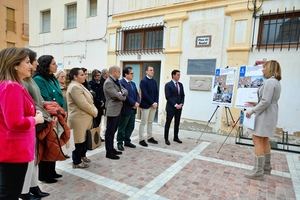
140 39
279 30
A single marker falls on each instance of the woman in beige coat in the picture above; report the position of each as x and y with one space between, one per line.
81 111
266 112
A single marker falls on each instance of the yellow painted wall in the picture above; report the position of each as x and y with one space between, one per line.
21 16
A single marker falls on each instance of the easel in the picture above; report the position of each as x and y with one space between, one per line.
227 109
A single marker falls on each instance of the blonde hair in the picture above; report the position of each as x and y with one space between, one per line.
273 69
59 73
9 59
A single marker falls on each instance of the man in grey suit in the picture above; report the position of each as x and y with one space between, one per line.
115 94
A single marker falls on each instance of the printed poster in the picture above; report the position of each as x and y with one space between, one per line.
250 79
223 86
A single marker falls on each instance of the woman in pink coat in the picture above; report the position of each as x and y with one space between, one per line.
17 122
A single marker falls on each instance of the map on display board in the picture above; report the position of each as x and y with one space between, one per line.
223 86
250 79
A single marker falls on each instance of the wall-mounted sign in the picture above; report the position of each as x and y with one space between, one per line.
203 41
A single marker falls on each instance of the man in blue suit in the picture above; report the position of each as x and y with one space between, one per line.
175 99
132 102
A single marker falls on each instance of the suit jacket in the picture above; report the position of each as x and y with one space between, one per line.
81 110
172 96
115 94
132 98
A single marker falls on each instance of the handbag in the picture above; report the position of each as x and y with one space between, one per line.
93 138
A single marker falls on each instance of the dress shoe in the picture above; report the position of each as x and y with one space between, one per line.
177 140
120 147
28 196
81 165
112 156
151 140
86 160
167 142
56 175
129 144
143 143
116 152
48 180
36 191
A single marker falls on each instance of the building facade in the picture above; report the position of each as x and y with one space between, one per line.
13 23
74 32
199 36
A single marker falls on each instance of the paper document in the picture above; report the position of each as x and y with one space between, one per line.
249 122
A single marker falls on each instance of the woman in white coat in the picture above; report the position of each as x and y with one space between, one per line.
266 112
81 111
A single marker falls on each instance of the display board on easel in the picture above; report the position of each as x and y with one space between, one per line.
223 86
250 79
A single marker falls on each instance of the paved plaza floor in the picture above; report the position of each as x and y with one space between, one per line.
191 170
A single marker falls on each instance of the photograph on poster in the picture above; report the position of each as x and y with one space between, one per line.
223 86
250 79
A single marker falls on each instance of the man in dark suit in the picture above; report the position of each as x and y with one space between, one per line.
132 102
175 99
115 94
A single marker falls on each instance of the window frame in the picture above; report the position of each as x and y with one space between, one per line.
143 39
42 30
67 6
11 23
89 9
276 16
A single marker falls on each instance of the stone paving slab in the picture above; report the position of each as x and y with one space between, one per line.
136 167
206 180
178 171
244 154
71 187
188 145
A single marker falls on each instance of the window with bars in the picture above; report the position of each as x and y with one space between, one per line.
45 21
92 9
10 20
279 29
71 16
150 39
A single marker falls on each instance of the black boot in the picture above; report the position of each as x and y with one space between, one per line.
28 196
36 191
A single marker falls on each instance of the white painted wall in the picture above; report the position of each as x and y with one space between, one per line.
198 104
289 103
134 5
84 46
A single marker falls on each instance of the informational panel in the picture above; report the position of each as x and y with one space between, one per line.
201 66
250 79
223 86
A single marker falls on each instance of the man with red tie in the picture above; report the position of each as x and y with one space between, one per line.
175 99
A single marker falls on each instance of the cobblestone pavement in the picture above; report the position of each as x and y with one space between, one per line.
191 170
